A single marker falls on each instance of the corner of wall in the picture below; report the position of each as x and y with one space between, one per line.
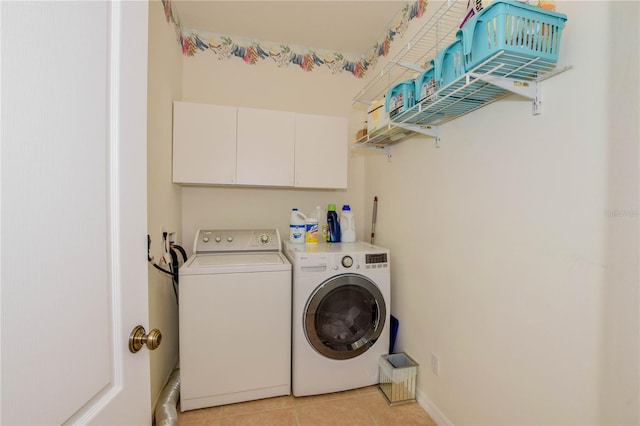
619 370
164 199
432 409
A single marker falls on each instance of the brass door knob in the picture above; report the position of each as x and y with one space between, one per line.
138 338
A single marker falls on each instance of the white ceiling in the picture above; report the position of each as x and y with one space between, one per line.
343 26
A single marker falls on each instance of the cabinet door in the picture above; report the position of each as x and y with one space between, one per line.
204 143
265 147
321 153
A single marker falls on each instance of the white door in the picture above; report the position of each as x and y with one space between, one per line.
73 212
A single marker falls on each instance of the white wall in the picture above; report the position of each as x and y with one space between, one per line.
499 245
163 198
619 366
207 79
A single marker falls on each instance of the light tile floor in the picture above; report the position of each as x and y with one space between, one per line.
358 407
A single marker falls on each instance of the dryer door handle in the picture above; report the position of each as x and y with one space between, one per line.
375 315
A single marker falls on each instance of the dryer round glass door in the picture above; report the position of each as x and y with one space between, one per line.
344 316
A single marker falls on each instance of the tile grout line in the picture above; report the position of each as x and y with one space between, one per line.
295 413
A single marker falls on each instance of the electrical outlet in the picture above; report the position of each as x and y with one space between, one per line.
435 363
165 257
172 236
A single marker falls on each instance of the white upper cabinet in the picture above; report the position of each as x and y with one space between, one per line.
223 145
321 151
204 143
265 147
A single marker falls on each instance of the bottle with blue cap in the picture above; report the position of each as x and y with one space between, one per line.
347 225
333 236
297 226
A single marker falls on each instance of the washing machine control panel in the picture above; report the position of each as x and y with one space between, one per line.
236 240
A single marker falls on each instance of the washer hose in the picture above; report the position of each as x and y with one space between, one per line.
166 412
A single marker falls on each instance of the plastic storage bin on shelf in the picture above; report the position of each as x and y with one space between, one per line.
451 62
426 84
398 374
400 97
461 97
529 38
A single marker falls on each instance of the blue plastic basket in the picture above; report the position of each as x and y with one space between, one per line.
451 62
400 97
529 37
426 84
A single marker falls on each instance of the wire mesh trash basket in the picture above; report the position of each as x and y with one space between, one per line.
398 374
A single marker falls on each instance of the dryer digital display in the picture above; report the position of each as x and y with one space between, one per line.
376 258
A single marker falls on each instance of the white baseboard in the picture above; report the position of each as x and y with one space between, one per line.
432 409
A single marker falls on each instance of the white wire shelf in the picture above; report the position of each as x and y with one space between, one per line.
495 78
505 72
439 31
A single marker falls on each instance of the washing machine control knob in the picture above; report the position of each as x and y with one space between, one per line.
230 238
347 261
205 239
265 239
218 239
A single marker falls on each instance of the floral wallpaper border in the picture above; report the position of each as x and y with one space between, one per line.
307 58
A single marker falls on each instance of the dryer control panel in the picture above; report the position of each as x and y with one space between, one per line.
355 261
337 257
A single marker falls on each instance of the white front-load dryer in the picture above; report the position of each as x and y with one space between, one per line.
340 323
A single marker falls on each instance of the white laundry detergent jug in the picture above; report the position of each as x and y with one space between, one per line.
297 226
347 225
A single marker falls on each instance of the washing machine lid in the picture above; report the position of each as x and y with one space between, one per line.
217 263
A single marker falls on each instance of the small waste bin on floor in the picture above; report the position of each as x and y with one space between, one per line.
398 374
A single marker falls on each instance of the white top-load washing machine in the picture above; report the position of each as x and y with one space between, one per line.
235 319
341 304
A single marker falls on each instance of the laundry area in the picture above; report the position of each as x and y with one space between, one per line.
320 212
500 222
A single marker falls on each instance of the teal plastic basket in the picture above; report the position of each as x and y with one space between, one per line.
527 37
400 97
426 84
451 62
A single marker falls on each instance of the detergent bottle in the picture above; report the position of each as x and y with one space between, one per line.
333 224
347 225
297 226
